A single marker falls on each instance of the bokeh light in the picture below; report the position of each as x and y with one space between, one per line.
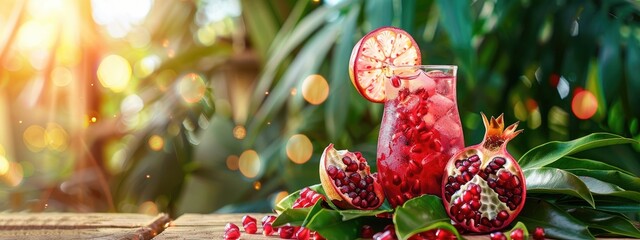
120 16
584 104
191 87
56 137
4 165
233 162
257 185
249 163
156 142
148 208
61 76
36 35
315 89
279 196
239 132
34 138
14 175
299 148
114 73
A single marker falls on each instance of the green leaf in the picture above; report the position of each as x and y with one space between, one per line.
599 170
612 223
293 216
556 222
556 181
379 13
306 62
610 62
261 24
337 104
550 152
421 214
288 41
456 21
568 163
288 201
330 225
604 188
604 202
352 214
633 78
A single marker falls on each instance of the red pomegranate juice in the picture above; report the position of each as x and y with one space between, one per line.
420 131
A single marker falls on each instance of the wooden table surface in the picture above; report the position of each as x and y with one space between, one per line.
125 226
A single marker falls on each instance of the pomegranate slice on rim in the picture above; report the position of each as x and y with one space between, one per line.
372 56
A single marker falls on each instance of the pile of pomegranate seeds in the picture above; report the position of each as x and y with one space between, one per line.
307 198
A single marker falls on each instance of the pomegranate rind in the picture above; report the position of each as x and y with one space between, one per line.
332 156
372 55
495 140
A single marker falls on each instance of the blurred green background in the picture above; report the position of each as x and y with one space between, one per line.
221 105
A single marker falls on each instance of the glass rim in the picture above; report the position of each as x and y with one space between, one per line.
447 67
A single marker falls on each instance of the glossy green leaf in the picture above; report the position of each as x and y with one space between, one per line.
378 13
568 163
261 24
330 225
599 170
604 188
603 202
556 222
288 201
610 222
352 214
421 214
456 19
556 181
293 216
633 78
550 152
290 40
337 104
609 61
306 62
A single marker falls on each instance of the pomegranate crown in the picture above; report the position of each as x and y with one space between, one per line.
496 136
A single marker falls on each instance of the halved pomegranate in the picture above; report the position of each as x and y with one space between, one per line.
347 180
483 187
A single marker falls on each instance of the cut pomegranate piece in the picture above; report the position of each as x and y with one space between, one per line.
484 188
372 55
347 180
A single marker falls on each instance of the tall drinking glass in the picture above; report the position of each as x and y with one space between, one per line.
420 130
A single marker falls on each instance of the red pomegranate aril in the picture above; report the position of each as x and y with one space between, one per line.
232 234
366 231
307 198
250 228
538 234
497 236
231 226
385 235
268 219
517 234
286 232
249 224
303 234
267 229
483 189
